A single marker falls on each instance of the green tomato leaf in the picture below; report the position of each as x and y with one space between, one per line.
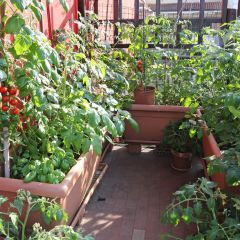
134 124
22 43
14 219
2 199
3 63
110 125
234 111
93 117
39 98
120 127
97 145
64 5
86 145
21 4
211 203
198 208
30 176
18 204
46 66
37 12
55 58
14 24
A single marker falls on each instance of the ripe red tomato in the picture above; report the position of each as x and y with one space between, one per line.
13 102
3 90
12 91
140 68
15 111
5 108
5 99
139 63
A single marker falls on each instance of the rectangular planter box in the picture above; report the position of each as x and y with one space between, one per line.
152 120
69 193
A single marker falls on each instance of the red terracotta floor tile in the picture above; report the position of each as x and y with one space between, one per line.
136 189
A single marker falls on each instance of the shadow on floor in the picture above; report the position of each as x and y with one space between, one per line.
128 203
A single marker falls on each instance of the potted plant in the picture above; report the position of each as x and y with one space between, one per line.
212 213
182 140
144 62
228 165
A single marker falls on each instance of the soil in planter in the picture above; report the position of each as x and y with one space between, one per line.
144 96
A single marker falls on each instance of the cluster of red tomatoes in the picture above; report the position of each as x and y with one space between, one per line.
9 100
139 66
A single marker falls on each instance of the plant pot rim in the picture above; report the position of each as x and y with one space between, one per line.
145 89
60 190
181 154
158 108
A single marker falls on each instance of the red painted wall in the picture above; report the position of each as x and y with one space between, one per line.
55 17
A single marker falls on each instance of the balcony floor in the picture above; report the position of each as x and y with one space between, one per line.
128 203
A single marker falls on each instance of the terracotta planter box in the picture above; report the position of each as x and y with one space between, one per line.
69 193
210 148
152 120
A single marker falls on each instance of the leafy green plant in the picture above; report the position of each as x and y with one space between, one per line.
215 215
58 102
12 226
153 31
182 136
228 163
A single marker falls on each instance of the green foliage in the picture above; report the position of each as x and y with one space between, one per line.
70 98
15 228
215 215
228 163
182 136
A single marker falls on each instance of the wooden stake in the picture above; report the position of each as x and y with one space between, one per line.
6 152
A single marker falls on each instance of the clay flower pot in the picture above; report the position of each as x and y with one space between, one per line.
144 95
181 161
69 193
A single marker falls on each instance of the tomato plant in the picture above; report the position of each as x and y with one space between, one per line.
60 100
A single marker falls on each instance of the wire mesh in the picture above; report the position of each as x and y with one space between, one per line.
190 10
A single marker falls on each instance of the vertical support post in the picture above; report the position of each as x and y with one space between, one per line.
41 22
201 20
179 17
120 10
2 14
81 7
95 6
158 7
238 13
136 12
6 152
50 36
232 7
115 18
87 5
224 10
